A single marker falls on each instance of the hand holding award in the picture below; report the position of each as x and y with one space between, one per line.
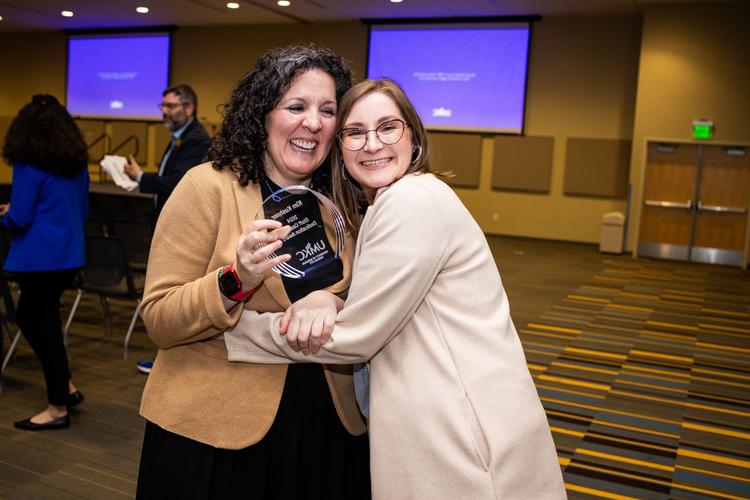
308 243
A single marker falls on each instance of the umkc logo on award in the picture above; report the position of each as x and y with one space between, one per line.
310 250
307 241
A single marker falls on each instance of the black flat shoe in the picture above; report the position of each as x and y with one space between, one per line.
74 399
57 423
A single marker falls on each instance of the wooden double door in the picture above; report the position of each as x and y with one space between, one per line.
695 203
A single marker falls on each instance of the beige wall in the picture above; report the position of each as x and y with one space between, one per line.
31 64
694 64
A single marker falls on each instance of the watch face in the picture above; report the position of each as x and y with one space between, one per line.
229 284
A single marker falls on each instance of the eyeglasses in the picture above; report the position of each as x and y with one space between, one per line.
389 132
170 105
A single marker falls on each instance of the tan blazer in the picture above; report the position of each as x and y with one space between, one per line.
193 390
453 409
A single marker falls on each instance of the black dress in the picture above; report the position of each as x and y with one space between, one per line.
306 454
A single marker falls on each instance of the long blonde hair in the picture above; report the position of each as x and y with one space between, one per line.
347 193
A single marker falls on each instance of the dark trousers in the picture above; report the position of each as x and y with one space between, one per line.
39 319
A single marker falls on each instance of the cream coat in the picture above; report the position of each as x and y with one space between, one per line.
193 390
453 409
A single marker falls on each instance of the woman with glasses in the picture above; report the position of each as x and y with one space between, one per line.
453 409
226 430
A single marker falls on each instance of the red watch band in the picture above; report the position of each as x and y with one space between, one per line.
239 295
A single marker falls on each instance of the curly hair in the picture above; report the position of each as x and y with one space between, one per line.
44 135
241 142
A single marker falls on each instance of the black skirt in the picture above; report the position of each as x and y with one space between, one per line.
307 454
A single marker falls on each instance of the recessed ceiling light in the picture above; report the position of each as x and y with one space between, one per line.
396 1
141 10
233 5
66 13
284 3
1 18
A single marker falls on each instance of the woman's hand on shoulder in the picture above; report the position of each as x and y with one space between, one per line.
309 322
261 239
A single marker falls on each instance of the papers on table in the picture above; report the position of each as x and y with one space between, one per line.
114 166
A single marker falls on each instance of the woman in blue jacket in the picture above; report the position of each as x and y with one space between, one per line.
45 218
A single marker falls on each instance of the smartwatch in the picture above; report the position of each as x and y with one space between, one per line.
231 286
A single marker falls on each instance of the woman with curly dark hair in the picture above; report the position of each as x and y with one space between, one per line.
222 430
45 217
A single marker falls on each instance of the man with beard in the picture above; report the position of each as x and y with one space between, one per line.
188 145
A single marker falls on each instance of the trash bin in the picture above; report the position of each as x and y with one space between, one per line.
613 233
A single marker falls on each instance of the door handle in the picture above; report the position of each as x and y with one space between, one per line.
668 204
720 209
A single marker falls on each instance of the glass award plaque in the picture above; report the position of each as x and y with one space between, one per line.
308 244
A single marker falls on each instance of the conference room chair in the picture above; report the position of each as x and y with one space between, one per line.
135 240
110 206
94 226
136 234
76 285
8 314
108 275
7 325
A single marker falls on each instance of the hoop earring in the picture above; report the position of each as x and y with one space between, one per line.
343 174
419 155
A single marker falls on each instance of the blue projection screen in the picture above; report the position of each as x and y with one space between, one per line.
461 77
117 76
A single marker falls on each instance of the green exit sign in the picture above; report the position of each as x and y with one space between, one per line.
703 129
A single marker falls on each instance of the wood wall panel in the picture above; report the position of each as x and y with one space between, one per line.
459 153
597 167
522 163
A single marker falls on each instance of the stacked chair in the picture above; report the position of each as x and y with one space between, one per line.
7 323
108 274
117 246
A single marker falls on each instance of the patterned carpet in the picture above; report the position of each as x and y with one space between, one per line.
644 372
